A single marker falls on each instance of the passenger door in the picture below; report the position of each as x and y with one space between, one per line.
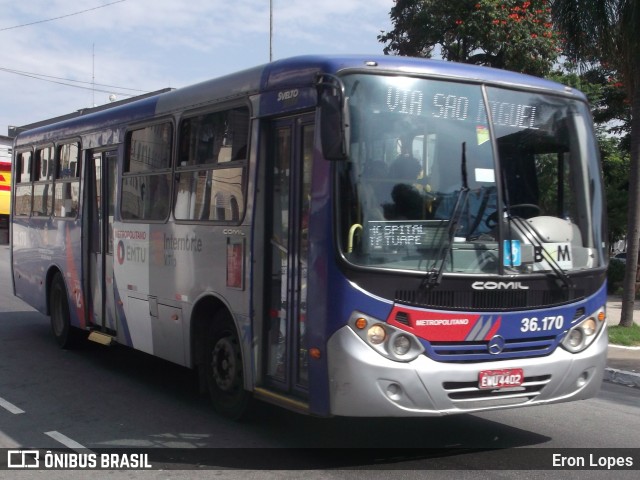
98 238
289 180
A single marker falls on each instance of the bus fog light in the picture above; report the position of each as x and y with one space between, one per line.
582 379
376 334
401 345
394 391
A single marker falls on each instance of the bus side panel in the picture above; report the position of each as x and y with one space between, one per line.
25 264
41 246
160 272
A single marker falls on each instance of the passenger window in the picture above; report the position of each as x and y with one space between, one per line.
210 195
67 183
146 182
23 187
43 182
214 138
211 170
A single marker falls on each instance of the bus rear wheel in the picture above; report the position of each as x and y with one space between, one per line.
66 335
224 369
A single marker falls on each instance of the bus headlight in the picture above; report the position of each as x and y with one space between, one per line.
376 334
401 344
388 341
584 333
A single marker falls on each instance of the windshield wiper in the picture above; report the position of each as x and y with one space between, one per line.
534 238
434 274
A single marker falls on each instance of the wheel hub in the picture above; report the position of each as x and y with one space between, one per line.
224 364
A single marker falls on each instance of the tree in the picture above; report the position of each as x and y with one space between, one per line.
605 31
511 34
611 114
615 166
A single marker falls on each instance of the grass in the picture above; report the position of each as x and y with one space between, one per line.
626 336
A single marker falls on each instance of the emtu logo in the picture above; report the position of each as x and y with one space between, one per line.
120 252
23 459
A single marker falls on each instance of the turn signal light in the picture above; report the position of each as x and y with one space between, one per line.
361 323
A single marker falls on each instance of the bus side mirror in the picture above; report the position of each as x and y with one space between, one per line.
334 122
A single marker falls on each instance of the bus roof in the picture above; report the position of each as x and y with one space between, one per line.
294 71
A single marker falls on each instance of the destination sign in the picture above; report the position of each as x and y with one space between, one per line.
389 235
461 108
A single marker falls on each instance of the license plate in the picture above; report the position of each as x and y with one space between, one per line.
493 379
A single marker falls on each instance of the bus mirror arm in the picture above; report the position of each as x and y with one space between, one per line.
334 117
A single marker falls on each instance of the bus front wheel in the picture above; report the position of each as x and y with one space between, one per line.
66 335
224 369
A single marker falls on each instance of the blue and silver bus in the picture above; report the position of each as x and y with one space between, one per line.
338 235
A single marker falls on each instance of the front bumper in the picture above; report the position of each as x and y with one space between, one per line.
365 384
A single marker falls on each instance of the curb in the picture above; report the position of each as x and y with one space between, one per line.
622 377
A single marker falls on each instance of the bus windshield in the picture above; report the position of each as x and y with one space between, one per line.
461 177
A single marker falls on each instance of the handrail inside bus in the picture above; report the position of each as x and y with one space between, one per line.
352 231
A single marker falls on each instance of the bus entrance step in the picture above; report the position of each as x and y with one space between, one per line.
101 338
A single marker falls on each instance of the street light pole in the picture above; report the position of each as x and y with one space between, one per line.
270 30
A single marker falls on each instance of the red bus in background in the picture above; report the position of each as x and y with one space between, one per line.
5 189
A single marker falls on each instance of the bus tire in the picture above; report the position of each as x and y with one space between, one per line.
224 369
67 336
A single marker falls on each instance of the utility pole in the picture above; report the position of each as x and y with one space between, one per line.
93 75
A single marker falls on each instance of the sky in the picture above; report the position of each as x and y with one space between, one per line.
129 47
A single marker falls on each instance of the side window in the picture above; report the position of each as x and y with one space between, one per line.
212 166
43 182
67 181
146 179
23 187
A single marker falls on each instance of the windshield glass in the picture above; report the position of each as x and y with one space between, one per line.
421 190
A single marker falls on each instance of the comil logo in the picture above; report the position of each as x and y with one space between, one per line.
498 286
23 459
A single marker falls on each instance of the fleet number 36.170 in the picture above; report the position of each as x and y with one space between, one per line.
533 324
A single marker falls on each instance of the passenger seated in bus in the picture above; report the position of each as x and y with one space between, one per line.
408 203
405 167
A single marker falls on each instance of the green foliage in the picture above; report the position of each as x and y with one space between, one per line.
615 168
612 115
615 276
510 34
627 336
610 105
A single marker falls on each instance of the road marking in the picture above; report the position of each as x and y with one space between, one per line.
67 442
7 442
10 407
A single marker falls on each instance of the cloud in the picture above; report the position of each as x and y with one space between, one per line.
150 44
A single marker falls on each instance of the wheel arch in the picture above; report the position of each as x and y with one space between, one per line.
202 314
51 273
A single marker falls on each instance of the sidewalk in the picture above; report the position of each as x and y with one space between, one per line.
623 363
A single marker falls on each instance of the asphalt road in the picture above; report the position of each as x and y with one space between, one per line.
111 397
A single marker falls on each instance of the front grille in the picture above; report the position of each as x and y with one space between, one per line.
479 351
487 300
467 395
